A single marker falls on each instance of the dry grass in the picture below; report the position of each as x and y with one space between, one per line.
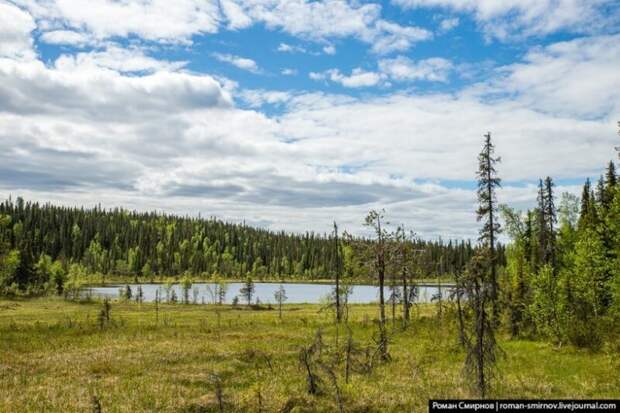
54 357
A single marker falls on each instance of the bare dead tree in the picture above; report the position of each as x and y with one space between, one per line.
216 379
309 357
380 256
338 271
329 370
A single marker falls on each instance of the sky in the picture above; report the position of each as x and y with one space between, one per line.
290 114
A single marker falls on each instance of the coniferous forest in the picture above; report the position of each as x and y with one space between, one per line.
143 245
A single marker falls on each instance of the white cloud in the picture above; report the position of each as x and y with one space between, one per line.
358 77
507 18
258 97
15 28
151 20
572 78
93 93
391 37
155 20
325 19
235 15
289 72
67 37
329 49
399 69
240 62
116 58
402 68
448 24
287 48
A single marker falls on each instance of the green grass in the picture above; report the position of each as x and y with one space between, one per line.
54 357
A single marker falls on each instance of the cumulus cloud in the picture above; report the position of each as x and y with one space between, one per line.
15 28
259 97
144 133
402 68
508 18
155 20
116 58
152 20
67 37
358 77
90 92
329 49
574 78
287 48
398 69
238 61
288 71
390 37
448 24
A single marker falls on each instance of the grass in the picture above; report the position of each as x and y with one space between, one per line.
54 357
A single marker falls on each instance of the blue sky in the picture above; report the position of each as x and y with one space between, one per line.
290 114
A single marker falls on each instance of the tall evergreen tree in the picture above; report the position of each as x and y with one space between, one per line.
488 182
480 281
611 182
587 216
551 220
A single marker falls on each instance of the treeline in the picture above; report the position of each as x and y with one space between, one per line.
563 266
40 243
561 277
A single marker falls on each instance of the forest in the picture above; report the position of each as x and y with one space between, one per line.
41 242
515 317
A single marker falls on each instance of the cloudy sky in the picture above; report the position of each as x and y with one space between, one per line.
289 114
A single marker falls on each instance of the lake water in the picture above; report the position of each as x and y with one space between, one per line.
296 293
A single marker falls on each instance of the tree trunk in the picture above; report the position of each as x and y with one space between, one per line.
405 298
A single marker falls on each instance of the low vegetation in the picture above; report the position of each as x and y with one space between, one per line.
60 356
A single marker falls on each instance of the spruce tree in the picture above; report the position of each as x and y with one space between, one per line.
488 182
551 220
611 181
480 280
586 216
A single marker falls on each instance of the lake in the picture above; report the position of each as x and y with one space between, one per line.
297 293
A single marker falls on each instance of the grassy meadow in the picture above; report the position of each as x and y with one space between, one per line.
57 356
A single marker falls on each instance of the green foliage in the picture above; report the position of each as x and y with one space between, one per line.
544 308
186 285
120 242
247 290
58 277
9 263
76 278
589 290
